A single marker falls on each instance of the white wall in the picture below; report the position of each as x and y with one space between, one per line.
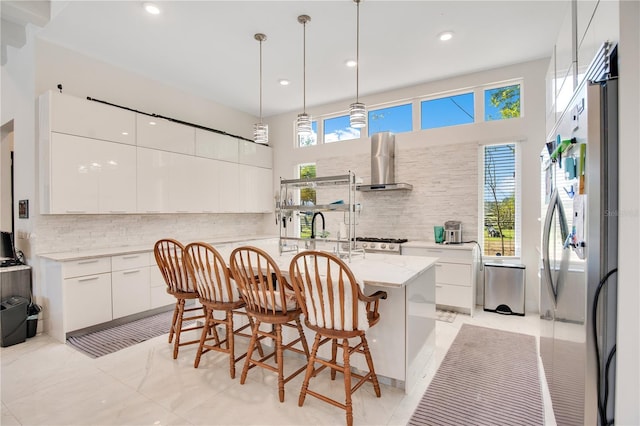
627 410
442 164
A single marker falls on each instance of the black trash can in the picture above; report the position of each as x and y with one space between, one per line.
13 319
32 319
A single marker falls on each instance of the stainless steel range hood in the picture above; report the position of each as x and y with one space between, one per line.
383 165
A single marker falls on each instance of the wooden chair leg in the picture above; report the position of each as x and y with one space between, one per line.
310 368
367 355
230 344
280 361
334 356
176 344
252 344
203 338
260 351
173 321
305 345
347 381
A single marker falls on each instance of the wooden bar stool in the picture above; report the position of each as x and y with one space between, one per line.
269 300
170 257
217 294
336 309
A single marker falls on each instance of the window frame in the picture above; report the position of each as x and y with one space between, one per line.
403 102
444 95
505 83
518 199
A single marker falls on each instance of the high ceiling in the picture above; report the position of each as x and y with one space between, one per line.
208 47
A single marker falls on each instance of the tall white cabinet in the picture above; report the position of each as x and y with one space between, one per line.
100 159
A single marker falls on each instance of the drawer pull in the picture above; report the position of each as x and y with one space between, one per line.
439 265
438 286
135 256
131 272
81 280
85 262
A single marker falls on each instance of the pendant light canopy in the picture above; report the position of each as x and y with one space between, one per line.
357 110
261 130
303 124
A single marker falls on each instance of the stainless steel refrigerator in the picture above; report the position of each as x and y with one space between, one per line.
579 168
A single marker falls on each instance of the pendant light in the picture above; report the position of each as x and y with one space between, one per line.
357 110
261 130
303 124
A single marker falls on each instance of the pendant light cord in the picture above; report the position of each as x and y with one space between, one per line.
304 67
261 80
357 50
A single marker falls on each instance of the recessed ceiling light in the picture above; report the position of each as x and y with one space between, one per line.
151 8
283 82
152 123
351 63
447 35
125 133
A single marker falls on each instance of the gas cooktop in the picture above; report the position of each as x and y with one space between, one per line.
382 240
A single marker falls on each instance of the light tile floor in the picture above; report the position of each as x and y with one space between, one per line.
44 382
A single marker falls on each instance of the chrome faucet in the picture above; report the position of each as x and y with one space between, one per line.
313 224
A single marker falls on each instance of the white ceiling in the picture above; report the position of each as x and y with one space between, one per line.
208 48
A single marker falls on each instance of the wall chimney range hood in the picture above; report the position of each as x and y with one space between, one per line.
383 165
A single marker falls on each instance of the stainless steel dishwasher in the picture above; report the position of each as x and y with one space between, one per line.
504 288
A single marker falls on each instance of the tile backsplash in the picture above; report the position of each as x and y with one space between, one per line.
57 233
445 187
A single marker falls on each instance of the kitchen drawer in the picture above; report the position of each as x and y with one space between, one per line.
453 273
444 254
453 295
130 291
129 261
160 297
79 268
87 301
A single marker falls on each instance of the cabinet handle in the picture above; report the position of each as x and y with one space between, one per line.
80 280
85 262
438 286
131 272
438 265
131 256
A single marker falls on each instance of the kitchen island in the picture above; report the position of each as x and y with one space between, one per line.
401 343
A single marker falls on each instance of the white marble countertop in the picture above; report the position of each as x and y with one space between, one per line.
116 251
14 268
433 245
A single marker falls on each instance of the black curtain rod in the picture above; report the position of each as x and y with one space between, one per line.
170 119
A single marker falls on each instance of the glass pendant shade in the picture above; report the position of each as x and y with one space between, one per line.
261 133
303 124
357 115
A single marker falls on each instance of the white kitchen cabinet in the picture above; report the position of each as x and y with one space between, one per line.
256 189
85 287
456 273
130 284
229 187
158 287
255 154
159 133
81 117
153 180
184 188
216 146
89 176
206 185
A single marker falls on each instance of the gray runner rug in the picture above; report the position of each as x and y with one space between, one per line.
488 377
103 342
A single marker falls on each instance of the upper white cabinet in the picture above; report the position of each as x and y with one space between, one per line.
255 154
89 176
152 165
77 116
159 133
216 146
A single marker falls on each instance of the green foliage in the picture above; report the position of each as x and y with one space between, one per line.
507 100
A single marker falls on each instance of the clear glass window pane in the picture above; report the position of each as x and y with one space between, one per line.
449 111
502 103
311 139
338 129
307 197
396 119
500 200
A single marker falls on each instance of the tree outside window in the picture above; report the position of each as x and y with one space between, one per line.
502 103
307 197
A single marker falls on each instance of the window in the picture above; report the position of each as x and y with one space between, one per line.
502 103
396 119
449 111
307 197
311 139
339 129
501 201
